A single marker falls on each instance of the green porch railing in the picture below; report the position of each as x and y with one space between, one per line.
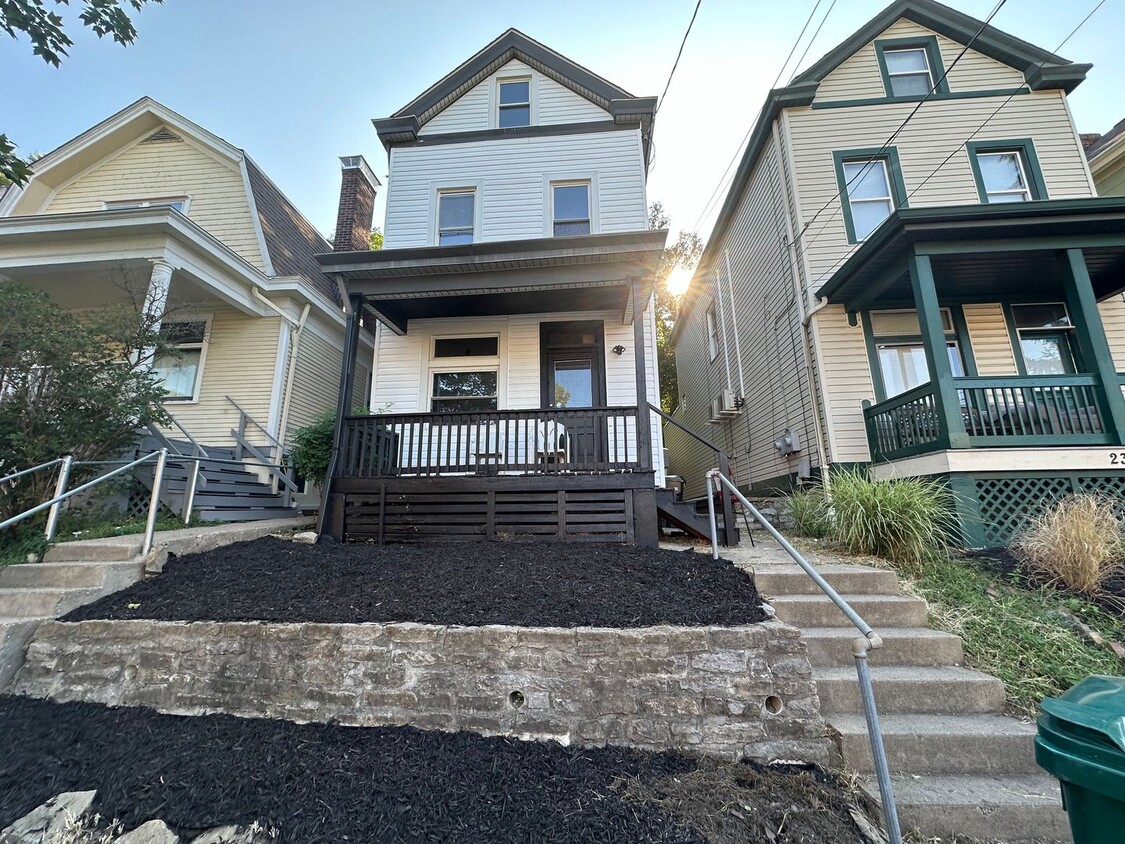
997 411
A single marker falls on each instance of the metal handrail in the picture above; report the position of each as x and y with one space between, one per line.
860 646
23 472
199 450
160 456
246 417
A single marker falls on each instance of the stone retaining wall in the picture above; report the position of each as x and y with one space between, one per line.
734 692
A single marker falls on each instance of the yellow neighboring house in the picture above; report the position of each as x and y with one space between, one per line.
1106 154
148 201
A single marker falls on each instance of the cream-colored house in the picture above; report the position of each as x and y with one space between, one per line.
912 271
148 203
1107 161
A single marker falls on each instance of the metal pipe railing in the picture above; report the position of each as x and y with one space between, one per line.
23 472
860 646
161 458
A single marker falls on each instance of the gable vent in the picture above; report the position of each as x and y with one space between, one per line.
162 135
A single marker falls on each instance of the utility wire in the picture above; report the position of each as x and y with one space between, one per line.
722 179
676 63
961 145
812 41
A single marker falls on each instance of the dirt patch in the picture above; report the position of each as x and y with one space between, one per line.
544 585
320 783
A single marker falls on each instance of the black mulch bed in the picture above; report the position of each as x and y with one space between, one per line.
540 585
1004 563
319 783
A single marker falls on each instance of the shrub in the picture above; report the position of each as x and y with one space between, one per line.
907 521
1076 542
808 508
312 448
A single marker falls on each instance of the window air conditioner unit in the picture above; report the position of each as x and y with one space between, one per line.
728 403
716 410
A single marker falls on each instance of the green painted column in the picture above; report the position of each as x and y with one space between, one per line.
937 357
966 506
1092 343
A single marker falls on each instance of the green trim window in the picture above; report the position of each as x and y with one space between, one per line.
911 67
896 353
871 188
1043 338
1006 171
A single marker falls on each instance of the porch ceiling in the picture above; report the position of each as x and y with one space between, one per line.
986 252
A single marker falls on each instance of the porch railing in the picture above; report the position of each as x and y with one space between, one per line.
996 411
552 441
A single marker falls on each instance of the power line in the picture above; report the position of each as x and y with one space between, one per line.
812 41
722 179
961 145
887 143
676 63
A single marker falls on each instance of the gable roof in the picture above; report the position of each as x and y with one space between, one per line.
1041 68
1105 141
287 240
623 107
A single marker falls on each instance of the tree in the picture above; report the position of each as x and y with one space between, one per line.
684 254
376 237
44 28
69 386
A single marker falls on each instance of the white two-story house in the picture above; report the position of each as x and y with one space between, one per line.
515 353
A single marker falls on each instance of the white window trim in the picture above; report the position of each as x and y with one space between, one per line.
529 76
589 185
432 365
438 188
711 327
589 177
891 75
120 204
1018 153
207 319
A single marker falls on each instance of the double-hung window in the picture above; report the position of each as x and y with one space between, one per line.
871 188
464 374
901 358
456 217
911 67
712 335
570 208
181 367
1045 337
514 103
1006 171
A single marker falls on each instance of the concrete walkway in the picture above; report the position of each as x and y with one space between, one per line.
73 574
960 766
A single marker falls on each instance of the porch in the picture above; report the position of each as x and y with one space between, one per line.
526 369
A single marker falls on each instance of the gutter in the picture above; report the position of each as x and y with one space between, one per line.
298 327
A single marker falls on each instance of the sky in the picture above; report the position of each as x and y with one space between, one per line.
296 84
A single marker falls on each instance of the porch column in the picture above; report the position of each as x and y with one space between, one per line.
644 425
330 519
155 304
937 357
1090 334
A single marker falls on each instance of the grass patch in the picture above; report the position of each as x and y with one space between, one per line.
1018 633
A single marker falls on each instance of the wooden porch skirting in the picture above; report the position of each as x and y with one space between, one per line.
617 508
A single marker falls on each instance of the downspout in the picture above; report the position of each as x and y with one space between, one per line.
806 318
734 325
723 323
298 329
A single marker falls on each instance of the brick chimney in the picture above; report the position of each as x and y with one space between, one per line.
357 205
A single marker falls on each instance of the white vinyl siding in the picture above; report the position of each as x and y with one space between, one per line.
859 78
936 131
170 169
552 104
512 199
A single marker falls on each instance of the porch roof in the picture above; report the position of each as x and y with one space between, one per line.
985 252
541 275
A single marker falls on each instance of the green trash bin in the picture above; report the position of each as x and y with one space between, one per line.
1081 741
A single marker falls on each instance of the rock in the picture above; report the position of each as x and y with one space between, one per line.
156 560
152 832
253 834
308 537
47 822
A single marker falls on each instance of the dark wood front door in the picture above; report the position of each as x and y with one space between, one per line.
572 357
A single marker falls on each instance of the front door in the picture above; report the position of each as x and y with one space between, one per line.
573 364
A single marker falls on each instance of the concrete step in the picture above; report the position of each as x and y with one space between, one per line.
877 610
1012 809
832 646
244 514
15 633
908 689
854 580
939 744
39 602
117 549
78 574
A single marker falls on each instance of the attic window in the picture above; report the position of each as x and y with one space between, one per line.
514 104
911 67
